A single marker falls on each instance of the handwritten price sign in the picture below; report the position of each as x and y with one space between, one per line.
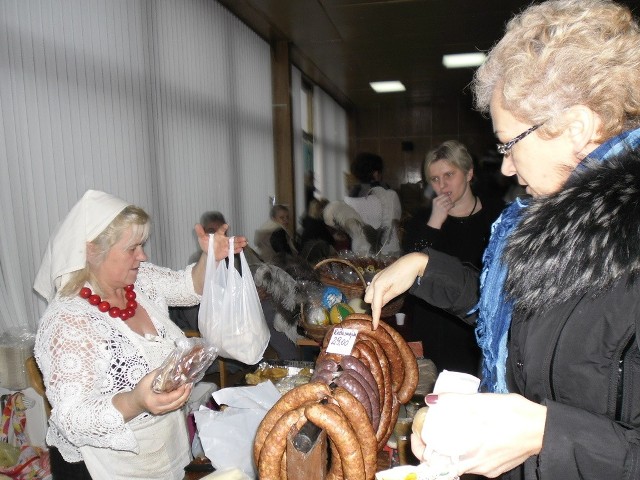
342 341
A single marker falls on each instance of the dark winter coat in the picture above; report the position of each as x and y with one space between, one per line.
573 274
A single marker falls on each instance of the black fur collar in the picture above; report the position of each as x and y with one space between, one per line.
581 239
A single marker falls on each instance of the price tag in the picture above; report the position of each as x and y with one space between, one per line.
342 341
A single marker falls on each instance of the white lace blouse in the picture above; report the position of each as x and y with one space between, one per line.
86 357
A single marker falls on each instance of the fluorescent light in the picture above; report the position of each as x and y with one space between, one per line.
462 60
384 87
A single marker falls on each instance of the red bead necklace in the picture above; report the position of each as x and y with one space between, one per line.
115 312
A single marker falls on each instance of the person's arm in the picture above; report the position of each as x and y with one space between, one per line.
582 445
394 280
483 433
70 352
449 284
142 399
440 279
220 248
494 433
440 207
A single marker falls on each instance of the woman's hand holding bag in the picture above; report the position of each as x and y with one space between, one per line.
231 316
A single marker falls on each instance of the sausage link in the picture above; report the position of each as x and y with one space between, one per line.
324 356
340 433
395 410
327 363
372 394
364 327
348 382
324 376
356 416
335 470
369 358
350 362
310 392
411 373
271 456
335 462
324 370
387 398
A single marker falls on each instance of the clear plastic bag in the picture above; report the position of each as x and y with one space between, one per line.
186 364
231 316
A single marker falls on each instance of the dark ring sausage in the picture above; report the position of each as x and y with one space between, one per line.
364 327
369 358
351 362
387 398
372 394
355 388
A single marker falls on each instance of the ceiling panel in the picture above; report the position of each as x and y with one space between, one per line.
342 45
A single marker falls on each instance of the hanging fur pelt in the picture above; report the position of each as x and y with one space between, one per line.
280 286
288 281
365 239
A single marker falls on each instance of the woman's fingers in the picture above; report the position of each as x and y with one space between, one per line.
489 433
397 278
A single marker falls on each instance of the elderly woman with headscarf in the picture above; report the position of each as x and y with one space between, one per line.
105 330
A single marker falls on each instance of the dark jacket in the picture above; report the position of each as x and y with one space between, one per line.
573 264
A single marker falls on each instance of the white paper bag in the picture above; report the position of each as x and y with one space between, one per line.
227 436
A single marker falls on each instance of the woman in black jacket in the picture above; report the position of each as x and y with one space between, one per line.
559 306
458 223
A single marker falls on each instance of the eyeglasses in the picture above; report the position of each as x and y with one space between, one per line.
505 148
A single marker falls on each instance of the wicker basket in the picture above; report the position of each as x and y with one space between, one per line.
314 332
350 290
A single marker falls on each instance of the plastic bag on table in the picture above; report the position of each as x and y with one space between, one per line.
231 316
186 364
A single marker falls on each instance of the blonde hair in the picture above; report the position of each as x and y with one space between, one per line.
131 216
562 53
451 151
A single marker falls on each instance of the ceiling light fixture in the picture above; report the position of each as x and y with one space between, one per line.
384 87
462 60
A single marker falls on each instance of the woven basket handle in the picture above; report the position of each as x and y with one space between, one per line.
345 262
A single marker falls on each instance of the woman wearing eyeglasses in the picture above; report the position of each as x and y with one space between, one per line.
558 314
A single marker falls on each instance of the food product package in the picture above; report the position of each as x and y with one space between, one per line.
186 364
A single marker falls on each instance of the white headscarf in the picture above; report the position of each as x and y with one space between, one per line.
67 248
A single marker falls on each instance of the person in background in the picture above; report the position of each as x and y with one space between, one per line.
559 305
316 240
272 237
457 223
103 335
377 204
367 169
211 221
187 317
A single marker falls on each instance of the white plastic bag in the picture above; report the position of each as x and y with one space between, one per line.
231 316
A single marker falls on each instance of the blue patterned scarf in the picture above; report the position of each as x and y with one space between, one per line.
494 310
